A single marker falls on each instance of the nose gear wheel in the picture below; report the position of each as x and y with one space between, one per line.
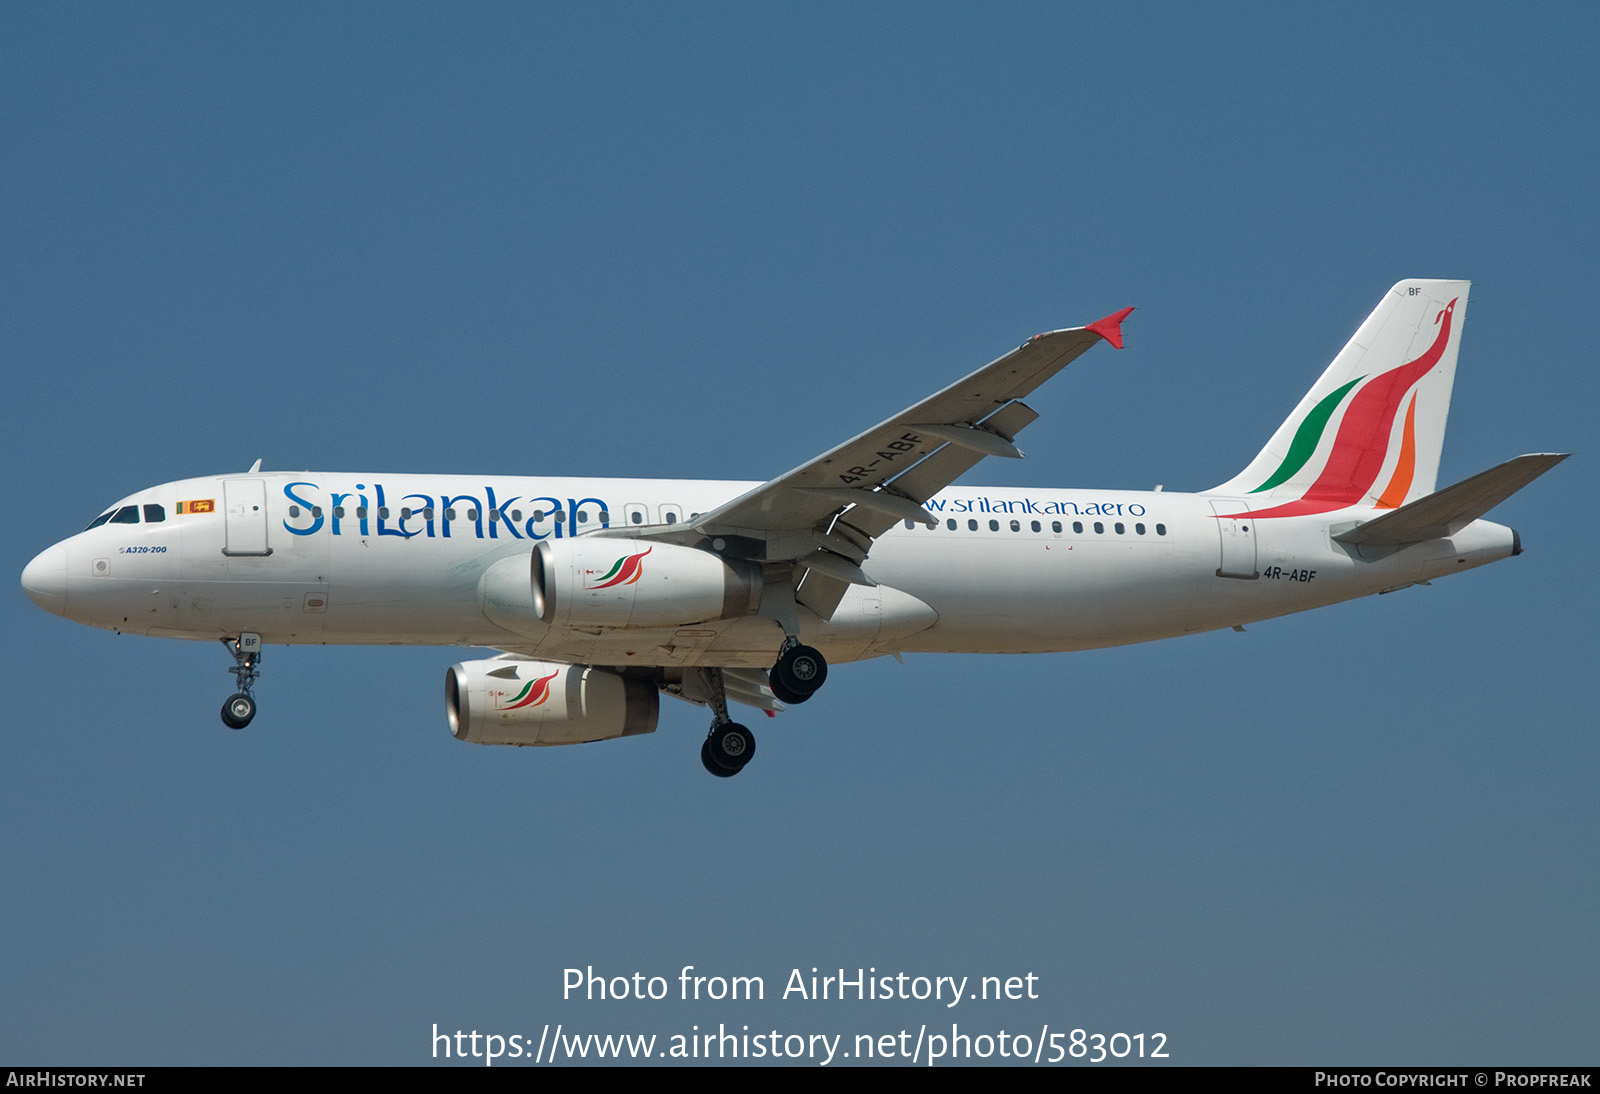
241 705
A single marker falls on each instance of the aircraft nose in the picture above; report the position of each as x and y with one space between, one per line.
45 580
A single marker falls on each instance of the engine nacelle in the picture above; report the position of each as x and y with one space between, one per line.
599 582
502 702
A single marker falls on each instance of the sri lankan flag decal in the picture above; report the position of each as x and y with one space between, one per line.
204 505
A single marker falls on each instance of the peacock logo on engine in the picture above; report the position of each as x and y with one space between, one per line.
625 571
534 693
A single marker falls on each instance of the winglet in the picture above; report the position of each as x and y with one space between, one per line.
1110 328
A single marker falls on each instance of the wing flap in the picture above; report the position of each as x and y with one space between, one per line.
747 686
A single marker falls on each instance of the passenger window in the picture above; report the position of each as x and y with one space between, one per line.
1036 527
1099 529
951 524
338 512
294 512
128 514
994 526
1055 526
1016 526
672 518
637 518
516 516
154 514
604 517
972 526
1077 526
361 512
1139 528
583 516
910 524
449 514
316 510
427 514
1161 529
1120 527
472 514
405 513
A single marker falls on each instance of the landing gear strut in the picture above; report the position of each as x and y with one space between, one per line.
729 745
241 705
800 671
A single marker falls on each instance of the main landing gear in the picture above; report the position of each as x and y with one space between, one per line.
729 745
727 749
800 671
241 705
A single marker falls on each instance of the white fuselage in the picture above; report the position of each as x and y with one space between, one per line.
443 560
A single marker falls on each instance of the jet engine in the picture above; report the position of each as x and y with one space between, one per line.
506 702
599 582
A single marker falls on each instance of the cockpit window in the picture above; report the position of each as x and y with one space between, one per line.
155 514
127 514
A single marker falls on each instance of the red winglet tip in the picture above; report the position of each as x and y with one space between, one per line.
1110 328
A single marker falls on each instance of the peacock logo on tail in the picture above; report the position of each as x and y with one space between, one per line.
1365 434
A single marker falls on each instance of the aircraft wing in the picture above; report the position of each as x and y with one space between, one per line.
825 514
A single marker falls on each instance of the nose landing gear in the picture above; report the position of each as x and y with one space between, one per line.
241 705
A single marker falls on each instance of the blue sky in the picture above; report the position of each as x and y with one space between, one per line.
710 241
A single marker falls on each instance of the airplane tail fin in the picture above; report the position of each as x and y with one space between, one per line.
1371 430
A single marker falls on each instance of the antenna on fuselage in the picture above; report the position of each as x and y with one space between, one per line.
254 467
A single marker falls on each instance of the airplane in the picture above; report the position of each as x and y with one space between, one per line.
601 595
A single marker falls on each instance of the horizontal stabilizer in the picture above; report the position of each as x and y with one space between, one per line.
1447 511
